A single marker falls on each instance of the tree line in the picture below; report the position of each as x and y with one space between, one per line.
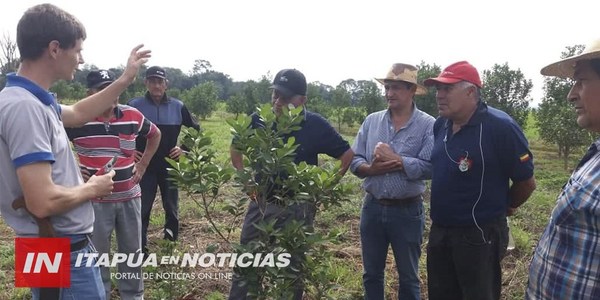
351 100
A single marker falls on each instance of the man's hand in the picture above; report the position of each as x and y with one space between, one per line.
511 211
137 156
136 59
102 185
379 166
85 174
384 152
139 169
175 152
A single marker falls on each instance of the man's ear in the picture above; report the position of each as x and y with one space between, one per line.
303 100
53 48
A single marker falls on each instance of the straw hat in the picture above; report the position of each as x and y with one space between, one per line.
566 67
406 73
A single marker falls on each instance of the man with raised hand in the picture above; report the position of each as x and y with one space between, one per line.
35 156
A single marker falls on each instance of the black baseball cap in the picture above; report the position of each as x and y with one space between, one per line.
98 78
156 71
290 82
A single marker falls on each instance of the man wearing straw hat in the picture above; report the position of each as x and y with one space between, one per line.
392 153
566 264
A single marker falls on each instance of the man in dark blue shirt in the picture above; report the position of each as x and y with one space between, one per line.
168 114
477 152
315 136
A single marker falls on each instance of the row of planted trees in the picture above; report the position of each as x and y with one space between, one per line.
351 100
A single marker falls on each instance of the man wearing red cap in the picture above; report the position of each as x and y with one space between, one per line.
478 151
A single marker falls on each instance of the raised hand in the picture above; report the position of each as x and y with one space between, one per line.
136 59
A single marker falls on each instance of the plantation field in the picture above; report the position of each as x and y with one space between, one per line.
345 266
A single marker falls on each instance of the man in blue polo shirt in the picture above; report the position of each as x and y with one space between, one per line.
35 156
478 151
315 136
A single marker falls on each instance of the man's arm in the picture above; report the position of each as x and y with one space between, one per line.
237 160
519 192
152 143
57 199
89 108
346 159
189 120
378 167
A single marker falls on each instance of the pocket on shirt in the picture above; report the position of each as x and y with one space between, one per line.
565 208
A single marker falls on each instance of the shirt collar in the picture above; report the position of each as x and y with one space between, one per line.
117 114
44 96
413 114
164 98
479 114
22 82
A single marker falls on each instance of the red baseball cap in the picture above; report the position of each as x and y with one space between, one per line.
456 72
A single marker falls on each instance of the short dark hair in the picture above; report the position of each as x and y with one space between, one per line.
44 23
595 63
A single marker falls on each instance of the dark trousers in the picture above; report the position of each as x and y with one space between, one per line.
461 265
270 211
170 201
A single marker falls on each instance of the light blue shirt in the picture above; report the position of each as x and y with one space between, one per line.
413 142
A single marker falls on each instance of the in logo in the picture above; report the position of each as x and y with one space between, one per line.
42 262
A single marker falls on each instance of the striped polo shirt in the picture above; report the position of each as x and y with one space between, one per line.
98 141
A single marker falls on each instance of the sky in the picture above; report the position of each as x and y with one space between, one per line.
328 40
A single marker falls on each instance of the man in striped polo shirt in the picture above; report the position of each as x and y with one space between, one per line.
96 143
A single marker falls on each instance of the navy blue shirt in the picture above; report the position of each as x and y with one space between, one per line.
314 137
169 115
490 134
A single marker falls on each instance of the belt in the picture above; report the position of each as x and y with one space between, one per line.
79 245
398 201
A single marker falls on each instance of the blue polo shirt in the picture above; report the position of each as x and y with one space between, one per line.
490 134
314 137
31 131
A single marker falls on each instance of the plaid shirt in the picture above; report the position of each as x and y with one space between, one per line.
566 262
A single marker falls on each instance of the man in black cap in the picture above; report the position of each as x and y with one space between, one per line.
169 114
315 136
96 143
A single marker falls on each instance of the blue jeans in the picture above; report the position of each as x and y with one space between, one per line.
400 226
86 282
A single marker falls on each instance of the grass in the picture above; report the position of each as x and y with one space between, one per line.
345 265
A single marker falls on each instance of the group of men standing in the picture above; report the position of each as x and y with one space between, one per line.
477 158
140 135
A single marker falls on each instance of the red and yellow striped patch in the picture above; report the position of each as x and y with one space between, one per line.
525 157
